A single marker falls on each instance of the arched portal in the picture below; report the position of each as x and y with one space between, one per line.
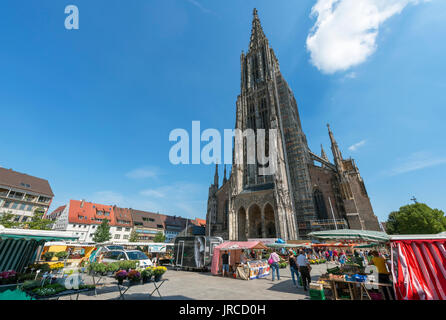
270 222
241 224
255 222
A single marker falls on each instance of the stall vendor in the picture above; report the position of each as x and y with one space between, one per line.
243 258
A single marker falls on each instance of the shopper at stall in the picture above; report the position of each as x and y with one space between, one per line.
335 255
342 258
293 268
383 273
327 255
304 269
273 260
225 263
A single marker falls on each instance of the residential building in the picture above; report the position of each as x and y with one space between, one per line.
146 224
22 194
83 218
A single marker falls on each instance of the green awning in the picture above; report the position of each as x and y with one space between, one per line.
284 245
36 238
350 234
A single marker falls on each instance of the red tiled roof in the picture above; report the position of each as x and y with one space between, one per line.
122 214
88 211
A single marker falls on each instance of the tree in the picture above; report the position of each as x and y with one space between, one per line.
37 222
416 218
133 236
102 233
6 220
159 237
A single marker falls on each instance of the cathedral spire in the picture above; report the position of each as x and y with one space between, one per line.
257 34
323 154
216 175
224 177
337 156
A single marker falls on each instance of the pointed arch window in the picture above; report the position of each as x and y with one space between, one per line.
319 205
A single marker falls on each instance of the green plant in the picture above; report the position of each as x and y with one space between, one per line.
102 233
48 255
112 267
128 264
62 254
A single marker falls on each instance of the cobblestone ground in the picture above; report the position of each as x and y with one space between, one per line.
186 285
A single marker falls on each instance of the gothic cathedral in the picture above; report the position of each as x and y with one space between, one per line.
306 192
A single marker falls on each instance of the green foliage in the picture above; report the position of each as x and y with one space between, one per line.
113 267
48 255
159 237
416 218
133 236
62 254
128 264
37 222
102 233
6 220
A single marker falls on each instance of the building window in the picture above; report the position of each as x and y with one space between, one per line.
127 229
119 229
319 204
126 236
117 236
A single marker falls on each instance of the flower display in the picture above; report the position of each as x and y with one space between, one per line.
8 277
57 266
134 276
158 271
121 275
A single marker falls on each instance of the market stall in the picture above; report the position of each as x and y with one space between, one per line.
254 268
419 266
350 280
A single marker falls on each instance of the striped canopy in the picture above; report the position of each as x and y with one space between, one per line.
419 268
350 234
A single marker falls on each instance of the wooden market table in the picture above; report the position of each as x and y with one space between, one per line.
351 287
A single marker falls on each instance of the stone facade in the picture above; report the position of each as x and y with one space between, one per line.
306 192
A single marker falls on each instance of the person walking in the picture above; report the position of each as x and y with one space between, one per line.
335 256
327 255
293 268
225 263
304 269
273 260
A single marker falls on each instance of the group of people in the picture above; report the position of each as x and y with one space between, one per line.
299 267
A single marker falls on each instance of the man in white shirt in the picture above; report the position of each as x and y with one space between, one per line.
304 269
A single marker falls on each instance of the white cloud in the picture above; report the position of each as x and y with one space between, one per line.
143 173
345 31
357 145
198 5
417 161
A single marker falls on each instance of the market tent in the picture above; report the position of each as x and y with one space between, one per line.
350 234
233 245
18 247
419 267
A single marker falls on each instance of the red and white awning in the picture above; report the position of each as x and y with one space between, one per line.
419 268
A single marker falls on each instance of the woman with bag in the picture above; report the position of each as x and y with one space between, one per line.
273 262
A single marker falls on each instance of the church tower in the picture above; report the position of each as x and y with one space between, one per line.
298 196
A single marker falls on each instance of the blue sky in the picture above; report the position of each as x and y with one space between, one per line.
91 109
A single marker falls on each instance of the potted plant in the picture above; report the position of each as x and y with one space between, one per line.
61 255
121 275
146 274
112 268
158 273
48 256
134 277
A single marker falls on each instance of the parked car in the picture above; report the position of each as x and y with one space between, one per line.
119 255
